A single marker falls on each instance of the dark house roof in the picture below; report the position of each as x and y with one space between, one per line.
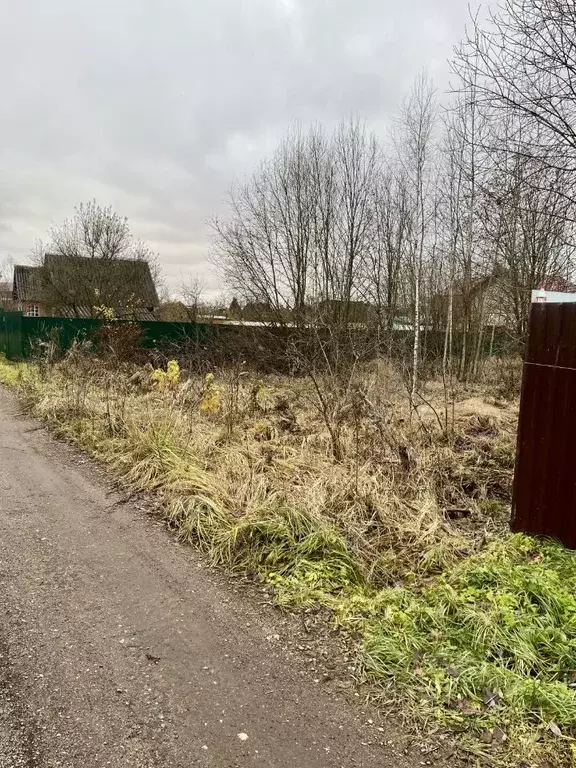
26 283
120 313
129 275
74 284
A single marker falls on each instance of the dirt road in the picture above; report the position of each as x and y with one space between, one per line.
119 647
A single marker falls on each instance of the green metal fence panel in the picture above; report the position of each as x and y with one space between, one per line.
161 334
11 334
21 336
2 332
63 331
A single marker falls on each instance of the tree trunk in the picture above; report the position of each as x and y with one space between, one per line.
476 366
416 349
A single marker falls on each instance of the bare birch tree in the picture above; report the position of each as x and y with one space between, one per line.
415 146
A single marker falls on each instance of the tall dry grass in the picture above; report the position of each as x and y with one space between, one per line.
239 460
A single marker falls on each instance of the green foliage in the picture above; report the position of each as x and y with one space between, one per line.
491 642
14 374
292 547
286 547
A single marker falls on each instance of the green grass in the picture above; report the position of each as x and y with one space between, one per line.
12 373
467 642
501 623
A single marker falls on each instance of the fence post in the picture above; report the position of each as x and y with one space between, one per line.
544 499
2 331
13 335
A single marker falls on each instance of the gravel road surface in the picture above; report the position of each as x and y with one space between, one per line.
120 647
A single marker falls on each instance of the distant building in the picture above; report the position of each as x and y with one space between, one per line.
76 286
27 291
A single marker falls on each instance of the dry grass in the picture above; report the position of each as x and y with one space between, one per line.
404 498
246 471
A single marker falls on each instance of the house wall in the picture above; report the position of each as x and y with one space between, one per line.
28 306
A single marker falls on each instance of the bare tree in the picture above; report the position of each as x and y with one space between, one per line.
415 146
523 63
192 291
92 264
530 232
389 251
469 261
6 268
358 163
263 248
302 227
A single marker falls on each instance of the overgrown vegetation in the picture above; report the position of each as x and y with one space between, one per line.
402 537
491 644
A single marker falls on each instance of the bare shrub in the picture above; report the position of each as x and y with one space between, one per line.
503 377
119 342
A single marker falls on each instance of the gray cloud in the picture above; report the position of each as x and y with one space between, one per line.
154 107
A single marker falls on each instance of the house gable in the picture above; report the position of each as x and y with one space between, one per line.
73 286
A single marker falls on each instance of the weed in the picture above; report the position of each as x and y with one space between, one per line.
15 374
211 396
168 379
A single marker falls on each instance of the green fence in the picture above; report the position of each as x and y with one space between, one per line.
21 335
11 334
266 348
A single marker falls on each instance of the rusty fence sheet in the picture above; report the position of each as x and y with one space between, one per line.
545 477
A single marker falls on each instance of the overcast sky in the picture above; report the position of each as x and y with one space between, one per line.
155 106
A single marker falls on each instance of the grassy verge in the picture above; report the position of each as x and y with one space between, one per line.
472 628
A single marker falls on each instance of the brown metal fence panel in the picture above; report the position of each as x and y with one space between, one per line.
545 477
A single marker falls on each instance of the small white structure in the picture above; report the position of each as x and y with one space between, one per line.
552 297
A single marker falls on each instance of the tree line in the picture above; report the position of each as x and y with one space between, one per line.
443 226
448 223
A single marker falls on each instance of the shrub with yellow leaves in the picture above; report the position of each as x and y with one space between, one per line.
173 373
106 313
168 379
211 396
